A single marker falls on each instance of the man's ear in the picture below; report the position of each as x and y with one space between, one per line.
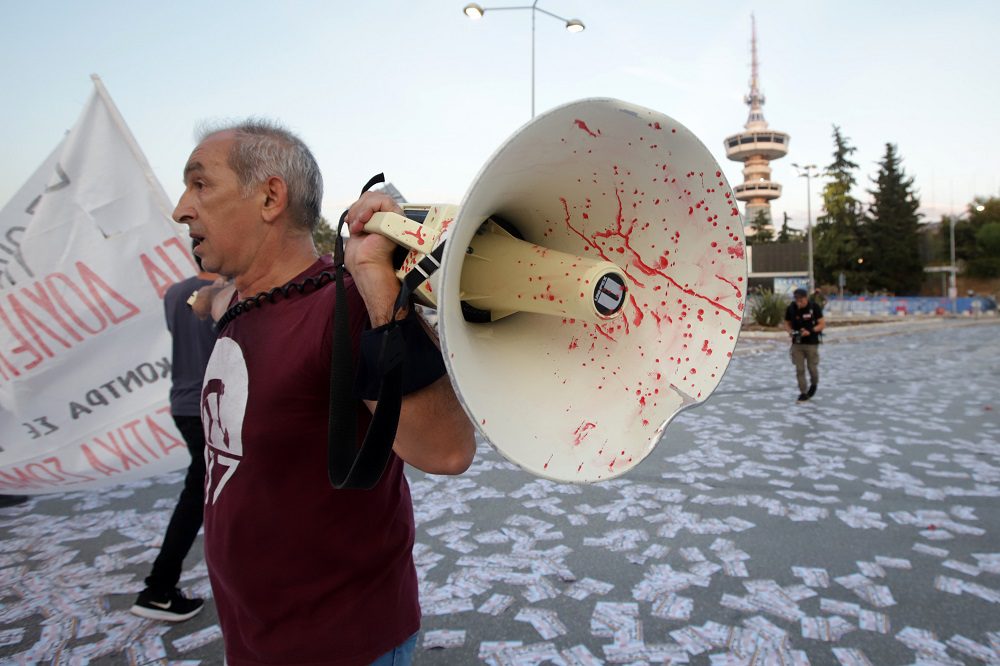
275 198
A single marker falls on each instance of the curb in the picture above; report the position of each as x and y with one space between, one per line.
868 329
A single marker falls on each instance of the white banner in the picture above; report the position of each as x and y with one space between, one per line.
87 250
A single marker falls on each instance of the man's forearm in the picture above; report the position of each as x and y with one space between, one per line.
434 433
379 290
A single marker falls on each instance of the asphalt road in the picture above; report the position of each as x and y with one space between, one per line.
861 527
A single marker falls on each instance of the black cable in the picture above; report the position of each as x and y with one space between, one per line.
244 306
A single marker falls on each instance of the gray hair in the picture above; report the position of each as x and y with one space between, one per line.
263 149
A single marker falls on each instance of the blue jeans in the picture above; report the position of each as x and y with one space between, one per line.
401 655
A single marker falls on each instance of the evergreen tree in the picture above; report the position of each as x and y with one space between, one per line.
837 236
762 232
784 234
892 230
787 234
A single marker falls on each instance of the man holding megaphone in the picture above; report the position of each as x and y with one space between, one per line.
302 572
596 264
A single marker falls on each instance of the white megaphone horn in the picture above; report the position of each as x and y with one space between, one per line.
590 285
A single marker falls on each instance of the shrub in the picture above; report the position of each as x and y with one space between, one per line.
767 308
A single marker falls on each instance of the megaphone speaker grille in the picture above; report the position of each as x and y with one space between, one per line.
580 401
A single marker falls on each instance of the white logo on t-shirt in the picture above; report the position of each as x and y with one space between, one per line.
223 407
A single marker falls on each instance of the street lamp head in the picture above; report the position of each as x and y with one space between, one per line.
980 208
475 11
805 171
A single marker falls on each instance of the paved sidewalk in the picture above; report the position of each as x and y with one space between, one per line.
861 527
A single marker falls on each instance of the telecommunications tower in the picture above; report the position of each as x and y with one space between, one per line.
755 147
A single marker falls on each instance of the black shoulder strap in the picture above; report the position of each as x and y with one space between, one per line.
348 466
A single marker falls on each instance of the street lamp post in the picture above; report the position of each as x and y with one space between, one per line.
808 172
474 11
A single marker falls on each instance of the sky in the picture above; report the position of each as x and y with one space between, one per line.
417 90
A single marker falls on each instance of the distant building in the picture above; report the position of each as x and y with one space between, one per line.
396 195
778 267
755 148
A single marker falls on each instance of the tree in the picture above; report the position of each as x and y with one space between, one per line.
324 236
838 245
982 228
975 249
988 239
892 230
788 234
761 225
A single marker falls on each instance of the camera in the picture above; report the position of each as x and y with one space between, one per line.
796 337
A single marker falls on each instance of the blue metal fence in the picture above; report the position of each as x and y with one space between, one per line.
902 305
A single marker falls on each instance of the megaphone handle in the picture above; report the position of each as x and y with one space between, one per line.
403 231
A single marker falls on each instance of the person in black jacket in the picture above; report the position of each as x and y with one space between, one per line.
193 335
804 323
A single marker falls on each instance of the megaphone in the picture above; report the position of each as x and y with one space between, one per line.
590 285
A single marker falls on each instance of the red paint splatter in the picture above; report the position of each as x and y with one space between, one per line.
736 251
739 292
582 431
582 125
419 234
638 311
604 333
637 261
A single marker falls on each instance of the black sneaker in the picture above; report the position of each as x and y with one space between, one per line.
171 607
12 500
803 397
812 390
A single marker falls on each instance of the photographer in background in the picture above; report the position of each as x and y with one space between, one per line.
804 323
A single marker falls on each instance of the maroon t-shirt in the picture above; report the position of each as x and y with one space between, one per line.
301 573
